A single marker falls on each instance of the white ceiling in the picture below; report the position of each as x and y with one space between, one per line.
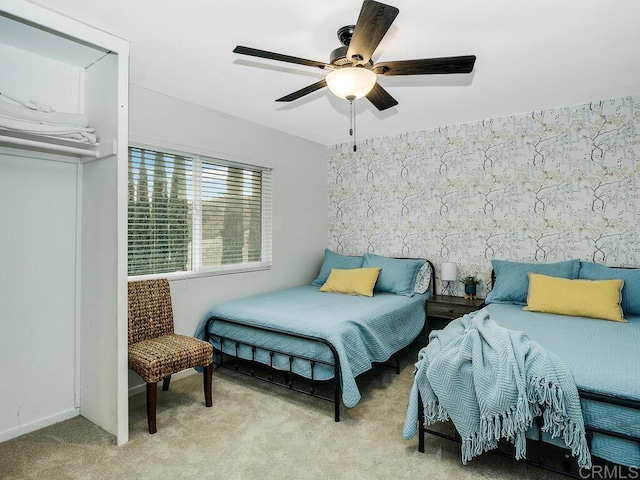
531 55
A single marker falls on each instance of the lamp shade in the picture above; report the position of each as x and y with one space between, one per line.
351 82
449 272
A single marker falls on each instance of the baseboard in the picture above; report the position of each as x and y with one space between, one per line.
38 424
136 389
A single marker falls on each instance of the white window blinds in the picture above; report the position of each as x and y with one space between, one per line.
194 213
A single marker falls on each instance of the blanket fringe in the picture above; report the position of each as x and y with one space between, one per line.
474 446
542 398
511 425
556 422
434 412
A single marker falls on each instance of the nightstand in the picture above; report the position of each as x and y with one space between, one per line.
441 309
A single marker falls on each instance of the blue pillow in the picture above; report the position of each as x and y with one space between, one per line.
630 291
512 282
335 260
397 276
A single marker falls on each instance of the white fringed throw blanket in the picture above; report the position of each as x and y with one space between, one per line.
492 382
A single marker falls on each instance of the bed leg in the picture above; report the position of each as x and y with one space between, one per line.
312 390
336 388
397 363
271 366
541 452
421 431
253 361
290 374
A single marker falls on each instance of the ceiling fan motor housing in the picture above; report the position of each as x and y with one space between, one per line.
339 57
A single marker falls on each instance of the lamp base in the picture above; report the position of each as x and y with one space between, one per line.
447 287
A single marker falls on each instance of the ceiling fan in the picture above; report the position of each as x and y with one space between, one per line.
352 72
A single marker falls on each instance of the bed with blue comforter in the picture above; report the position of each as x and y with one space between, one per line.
315 332
363 330
604 359
600 345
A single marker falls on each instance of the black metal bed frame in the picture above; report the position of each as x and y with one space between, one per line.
543 447
238 362
289 374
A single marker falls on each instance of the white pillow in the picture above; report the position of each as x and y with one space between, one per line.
423 279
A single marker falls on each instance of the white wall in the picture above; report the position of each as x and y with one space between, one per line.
299 195
37 291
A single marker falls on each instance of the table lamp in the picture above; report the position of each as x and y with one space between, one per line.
448 275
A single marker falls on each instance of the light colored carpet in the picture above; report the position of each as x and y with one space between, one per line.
255 431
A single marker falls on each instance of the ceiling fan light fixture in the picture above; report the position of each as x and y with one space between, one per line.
351 82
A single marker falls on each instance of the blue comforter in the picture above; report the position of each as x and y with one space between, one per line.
362 329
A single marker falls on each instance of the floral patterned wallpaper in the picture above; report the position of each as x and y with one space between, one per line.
545 186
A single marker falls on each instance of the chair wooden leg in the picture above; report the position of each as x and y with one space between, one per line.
165 383
152 395
208 371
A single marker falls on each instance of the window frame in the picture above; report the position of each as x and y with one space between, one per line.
222 160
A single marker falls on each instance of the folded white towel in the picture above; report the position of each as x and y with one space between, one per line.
15 108
74 132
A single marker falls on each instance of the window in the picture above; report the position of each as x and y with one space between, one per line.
192 213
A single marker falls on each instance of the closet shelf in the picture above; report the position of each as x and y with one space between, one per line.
56 145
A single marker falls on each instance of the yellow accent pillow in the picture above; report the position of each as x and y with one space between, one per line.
579 298
355 281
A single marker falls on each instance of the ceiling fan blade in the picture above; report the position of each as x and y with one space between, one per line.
427 66
381 98
303 91
254 52
374 21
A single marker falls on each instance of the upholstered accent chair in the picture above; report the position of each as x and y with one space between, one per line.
155 351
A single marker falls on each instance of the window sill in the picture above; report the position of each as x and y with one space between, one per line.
206 272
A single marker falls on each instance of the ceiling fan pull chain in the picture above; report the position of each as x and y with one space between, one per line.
352 122
350 118
354 127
